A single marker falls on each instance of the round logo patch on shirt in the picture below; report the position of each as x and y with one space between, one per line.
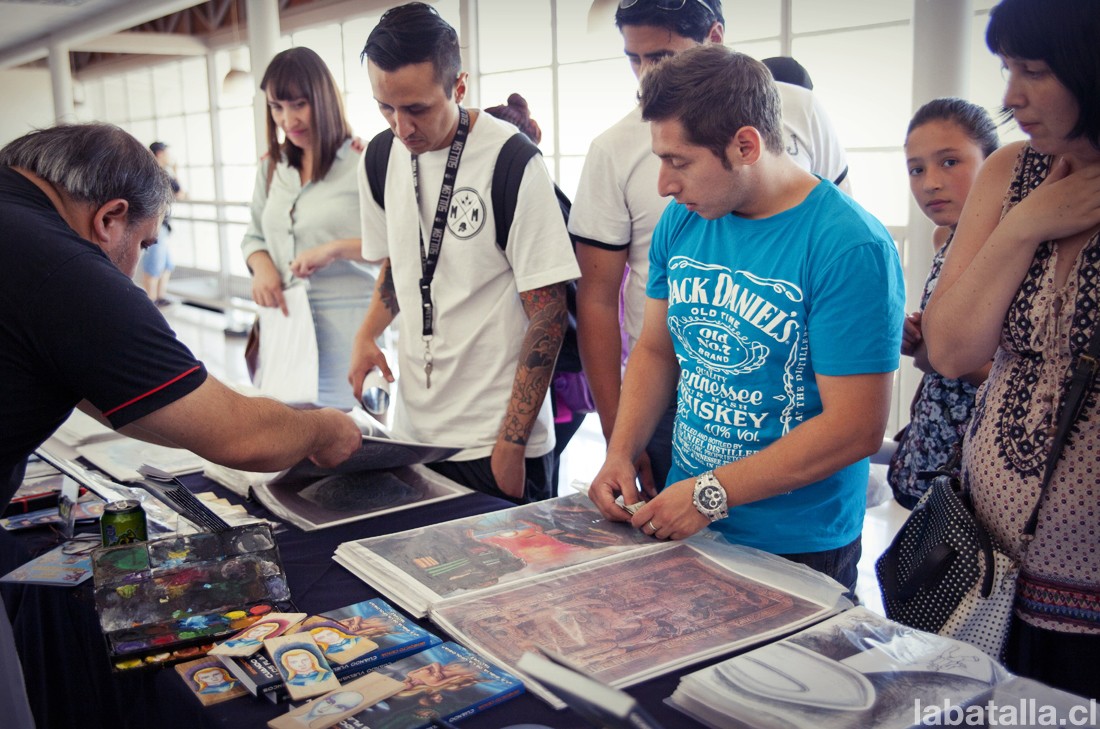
466 217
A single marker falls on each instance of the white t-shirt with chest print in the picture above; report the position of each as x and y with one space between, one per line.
479 321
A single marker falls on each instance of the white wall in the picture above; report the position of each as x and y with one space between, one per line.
27 102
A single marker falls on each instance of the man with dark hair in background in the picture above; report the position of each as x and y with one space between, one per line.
617 204
482 326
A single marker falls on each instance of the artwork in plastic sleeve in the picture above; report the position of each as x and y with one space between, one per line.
504 546
854 670
624 620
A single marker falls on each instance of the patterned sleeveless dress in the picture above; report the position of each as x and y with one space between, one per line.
1012 428
937 419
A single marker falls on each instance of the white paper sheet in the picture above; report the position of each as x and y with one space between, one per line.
288 350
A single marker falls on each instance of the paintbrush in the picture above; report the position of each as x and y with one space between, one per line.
180 498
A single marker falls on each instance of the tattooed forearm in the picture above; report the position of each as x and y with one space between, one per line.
545 308
386 289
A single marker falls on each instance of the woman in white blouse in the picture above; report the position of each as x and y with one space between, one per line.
305 213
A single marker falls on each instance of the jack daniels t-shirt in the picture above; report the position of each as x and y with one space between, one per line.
757 308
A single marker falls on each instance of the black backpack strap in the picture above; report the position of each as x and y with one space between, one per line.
507 175
377 160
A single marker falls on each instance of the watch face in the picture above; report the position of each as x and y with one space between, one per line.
711 497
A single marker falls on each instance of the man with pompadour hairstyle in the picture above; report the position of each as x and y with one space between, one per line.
482 323
773 317
617 205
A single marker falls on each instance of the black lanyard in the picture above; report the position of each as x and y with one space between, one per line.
430 257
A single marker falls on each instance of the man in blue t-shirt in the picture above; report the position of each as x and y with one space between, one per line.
774 313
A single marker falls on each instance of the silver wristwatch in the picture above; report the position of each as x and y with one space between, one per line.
709 497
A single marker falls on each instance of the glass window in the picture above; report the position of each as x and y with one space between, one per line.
586 34
569 174
238 213
238 182
987 82
592 97
207 249
449 10
751 19
880 184
95 100
878 59
759 49
167 89
238 138
808 16
173 132
114 92
145 131
183 239
200 183
193 72
199 143
355 37
139 94
328 43
501 47
363 114
235 233
536 86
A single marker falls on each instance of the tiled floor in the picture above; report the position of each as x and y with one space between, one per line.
223 354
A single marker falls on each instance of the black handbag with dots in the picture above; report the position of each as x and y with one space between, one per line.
943 573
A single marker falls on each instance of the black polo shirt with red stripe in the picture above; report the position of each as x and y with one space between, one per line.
72 327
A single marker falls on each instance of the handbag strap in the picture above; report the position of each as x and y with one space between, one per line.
1081 380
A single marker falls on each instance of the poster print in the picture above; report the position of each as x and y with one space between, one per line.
622 621
503 546
443 682
382 451
315 498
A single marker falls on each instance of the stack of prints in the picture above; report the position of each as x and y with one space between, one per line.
621 606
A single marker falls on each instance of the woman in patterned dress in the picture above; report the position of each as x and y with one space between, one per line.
1020 285
945 145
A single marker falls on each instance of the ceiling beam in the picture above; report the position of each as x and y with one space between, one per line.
162 44
120 18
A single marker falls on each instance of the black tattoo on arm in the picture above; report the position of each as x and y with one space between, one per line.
548 316
386 290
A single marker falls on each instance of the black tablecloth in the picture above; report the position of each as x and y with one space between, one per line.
70 682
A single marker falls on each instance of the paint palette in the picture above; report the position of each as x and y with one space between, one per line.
166 597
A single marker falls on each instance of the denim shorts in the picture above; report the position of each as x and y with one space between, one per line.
157 259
